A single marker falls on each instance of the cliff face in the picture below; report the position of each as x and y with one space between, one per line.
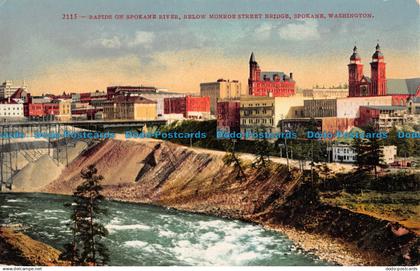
171 175
197 180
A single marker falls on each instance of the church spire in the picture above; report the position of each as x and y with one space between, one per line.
355 55
378 54
252 58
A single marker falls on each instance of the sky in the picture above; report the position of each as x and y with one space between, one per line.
55 55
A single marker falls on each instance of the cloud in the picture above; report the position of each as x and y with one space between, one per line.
308 30
113 42
140 39
263 31
107 42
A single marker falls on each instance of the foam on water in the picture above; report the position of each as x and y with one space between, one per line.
22 214
15 200
136 244
225 244
54 211
117 227
144 235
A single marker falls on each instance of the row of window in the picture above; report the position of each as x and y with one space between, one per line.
344 151
343 158
256 111
257 121
11 114
10 108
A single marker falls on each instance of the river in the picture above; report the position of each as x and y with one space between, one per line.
148 235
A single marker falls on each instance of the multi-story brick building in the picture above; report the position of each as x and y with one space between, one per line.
187 107
274 84
42 110
221 89
382 117
228 116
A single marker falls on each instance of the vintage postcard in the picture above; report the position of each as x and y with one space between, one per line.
216 134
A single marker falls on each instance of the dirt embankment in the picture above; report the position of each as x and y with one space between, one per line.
162 173
17 248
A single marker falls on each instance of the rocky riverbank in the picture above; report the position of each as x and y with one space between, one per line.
17 248
165 174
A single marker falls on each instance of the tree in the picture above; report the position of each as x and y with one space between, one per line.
405 146
71 250
232 158
369 153
262 157
360 148
86 247
393 137
325 171
374 151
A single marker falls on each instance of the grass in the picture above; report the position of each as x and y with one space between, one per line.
402 207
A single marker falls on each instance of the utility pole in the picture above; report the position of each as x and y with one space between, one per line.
312 160
67 156
58 142
1 158
49 130
287 154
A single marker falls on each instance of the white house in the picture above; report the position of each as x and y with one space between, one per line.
346 154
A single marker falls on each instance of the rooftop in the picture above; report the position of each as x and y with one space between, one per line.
133 99
272 74
402 86
385 107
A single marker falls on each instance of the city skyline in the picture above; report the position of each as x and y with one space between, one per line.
57 55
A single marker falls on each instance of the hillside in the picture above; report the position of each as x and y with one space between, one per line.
166 174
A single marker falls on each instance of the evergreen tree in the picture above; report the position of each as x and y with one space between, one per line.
360 148
86 247
393 137
71 251
232 158
369 153
262 157
374 150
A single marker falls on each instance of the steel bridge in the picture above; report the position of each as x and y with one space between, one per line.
94 125
10 147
